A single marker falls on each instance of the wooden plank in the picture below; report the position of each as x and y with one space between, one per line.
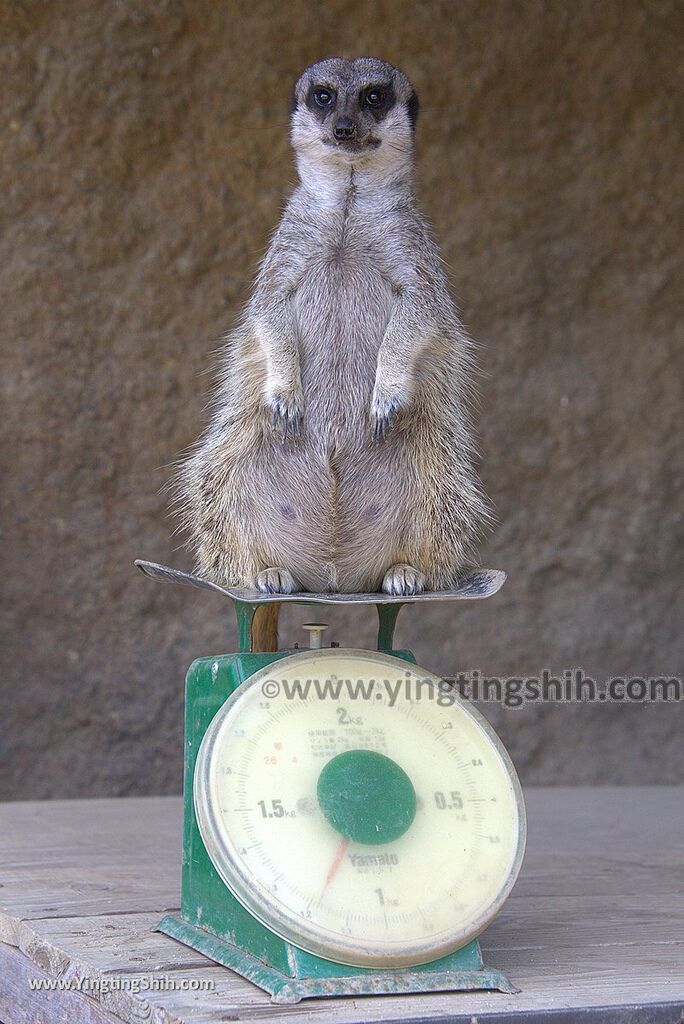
551 976
550 984
115 942
127 940
19 1006
76 857
595 926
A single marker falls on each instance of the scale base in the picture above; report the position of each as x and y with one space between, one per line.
455 973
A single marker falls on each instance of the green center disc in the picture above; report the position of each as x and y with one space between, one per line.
366 797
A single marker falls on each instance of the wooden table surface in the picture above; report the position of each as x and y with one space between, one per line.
594 930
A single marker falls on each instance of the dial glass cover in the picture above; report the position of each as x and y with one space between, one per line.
358 810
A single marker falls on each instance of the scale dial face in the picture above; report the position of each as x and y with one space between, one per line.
383 830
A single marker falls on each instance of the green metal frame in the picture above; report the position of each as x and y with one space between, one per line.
246 610
215 923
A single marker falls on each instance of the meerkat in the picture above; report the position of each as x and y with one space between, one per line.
339 456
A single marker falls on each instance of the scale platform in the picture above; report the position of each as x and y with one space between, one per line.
478 584
475 586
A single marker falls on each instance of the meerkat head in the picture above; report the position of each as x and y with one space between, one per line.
358 113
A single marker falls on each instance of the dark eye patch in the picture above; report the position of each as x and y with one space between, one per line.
378 99
321 99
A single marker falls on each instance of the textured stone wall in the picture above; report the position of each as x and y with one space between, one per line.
144 161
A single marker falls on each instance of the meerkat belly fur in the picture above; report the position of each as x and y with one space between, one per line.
339 456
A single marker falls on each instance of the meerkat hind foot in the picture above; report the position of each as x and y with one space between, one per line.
403 579
276 581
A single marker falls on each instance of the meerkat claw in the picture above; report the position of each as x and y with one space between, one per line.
404 580
383 415
286 417
276 581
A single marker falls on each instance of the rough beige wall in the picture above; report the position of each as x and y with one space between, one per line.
144 160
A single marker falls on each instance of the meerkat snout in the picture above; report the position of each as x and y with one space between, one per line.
354 111
344 129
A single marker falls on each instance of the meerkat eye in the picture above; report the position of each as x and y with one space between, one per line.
375 97
323 98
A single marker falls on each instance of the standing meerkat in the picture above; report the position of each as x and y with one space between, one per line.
339 456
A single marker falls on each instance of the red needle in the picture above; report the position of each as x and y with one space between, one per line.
337 860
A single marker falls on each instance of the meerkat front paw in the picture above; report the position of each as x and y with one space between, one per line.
385 405
286 408
276 581
403 579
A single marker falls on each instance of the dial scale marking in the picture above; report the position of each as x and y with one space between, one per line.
290 855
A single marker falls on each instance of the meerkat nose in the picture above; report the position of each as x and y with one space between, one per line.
344 129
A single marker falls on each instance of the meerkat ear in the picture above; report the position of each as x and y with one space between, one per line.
293 102
412 107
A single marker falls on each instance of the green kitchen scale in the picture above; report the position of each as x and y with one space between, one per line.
351 823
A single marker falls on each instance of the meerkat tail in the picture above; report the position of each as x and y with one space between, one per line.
265 628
